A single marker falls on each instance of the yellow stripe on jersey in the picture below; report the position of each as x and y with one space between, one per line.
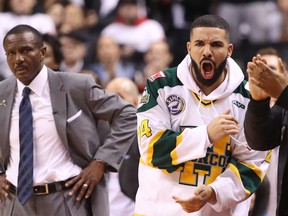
234 169
249 174
256 169
174 153
236 172
141 161
150 149
268 157
163 170
204 103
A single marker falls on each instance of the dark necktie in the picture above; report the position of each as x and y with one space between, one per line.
25 174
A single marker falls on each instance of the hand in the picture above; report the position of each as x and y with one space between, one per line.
4 187
252 69
87 179
222 126
273 82
202 195
270 83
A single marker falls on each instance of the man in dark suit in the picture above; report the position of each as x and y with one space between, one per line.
69 161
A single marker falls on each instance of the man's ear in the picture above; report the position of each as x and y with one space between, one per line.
43 52
188 46
230 50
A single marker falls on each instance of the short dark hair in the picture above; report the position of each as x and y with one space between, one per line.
19 29
211 20
268 51
271 51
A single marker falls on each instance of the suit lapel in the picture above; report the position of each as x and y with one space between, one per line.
58 102
6 100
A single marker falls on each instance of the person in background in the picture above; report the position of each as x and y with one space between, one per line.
56 12
53 56
158 57
133 32
67 175
265 125
73 18
78 18
122 186
74 49
194 156
109 64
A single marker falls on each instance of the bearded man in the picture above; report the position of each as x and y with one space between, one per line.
194 156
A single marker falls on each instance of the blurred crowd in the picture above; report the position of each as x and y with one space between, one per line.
137 38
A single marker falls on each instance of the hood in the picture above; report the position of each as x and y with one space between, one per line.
232 80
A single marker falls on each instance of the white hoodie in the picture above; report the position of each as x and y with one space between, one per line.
176 154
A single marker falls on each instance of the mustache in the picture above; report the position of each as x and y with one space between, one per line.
207 59
217 71
20 67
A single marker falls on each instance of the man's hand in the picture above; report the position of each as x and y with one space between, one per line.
253 75
87 179
202 195
4 187
222 126
265 82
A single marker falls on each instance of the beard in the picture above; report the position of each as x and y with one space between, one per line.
217 72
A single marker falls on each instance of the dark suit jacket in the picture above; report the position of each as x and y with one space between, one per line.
128 172
71 93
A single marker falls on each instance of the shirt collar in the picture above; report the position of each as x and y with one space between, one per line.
37 85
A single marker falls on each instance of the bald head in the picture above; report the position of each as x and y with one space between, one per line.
124 87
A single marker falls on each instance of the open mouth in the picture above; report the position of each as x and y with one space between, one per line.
207 69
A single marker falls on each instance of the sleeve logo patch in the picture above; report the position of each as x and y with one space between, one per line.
145 97
156 76
175 104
